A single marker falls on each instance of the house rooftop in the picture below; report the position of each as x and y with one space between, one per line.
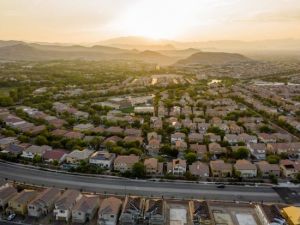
87 203
67 199
110 205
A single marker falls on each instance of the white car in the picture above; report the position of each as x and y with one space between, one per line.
11 217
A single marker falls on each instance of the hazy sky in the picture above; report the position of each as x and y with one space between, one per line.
95 20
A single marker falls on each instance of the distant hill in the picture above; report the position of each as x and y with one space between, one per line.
38 52
182 53
213 58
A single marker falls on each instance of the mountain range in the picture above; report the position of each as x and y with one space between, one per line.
163 52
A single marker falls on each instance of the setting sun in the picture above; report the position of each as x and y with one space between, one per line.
157 19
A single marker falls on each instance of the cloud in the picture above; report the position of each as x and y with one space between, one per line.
292 15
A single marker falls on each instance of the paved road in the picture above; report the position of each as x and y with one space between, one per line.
136 187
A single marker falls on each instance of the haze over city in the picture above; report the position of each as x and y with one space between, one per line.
149 112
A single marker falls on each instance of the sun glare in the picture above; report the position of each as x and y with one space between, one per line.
157 19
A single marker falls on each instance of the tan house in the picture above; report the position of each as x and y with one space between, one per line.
124 163
153 167
43 203
180 145
85 209
216 149
6 193
199 169
177 167
109 211
244 168
195 138
65 203
18 204
220 169
266 169
78 155
200 150
287 168
153 146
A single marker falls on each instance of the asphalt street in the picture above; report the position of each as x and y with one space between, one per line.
174 189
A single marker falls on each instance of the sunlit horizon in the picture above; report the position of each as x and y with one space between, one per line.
79 21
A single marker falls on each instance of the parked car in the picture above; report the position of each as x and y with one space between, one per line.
11 217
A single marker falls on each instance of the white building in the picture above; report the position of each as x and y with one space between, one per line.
102 159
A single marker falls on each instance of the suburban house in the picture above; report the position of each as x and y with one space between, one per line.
258 150
266 169
112 139
153 167
43 203
34 150
287 168
202 127
178 136
180 145
115 130
291 148
132 132
65 203
131 139
266 138
78 155
102 159
231 138
15 149
74 135
83 127
244 168
6 193
155 211
153 146
246 138
212 137
58 155
124 163
200 150
85 209
177 167
199 169
220 169
132 210
18 203
216 149
109 211
195 137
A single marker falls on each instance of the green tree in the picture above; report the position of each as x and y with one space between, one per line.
241 153
139 170
8 133
191 157
23 138
273 159
265 129
96 142
167 150
273 179
41 140
37 159
6 101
